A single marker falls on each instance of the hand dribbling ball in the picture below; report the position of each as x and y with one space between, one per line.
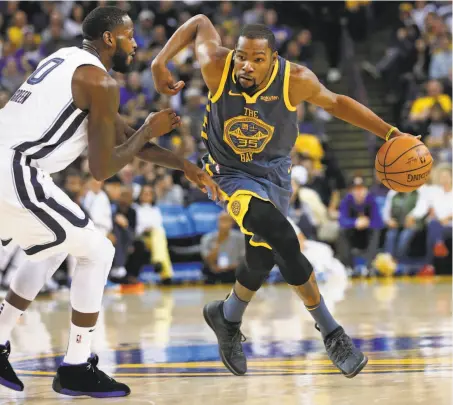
403 164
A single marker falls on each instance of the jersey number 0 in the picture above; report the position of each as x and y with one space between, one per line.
40 74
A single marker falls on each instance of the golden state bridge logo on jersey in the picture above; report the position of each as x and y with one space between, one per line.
247 135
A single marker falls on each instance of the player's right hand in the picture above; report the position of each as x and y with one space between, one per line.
163 80
162 122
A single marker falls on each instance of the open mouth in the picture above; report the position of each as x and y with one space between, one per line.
249 79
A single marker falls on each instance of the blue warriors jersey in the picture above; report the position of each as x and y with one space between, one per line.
249 140
254 134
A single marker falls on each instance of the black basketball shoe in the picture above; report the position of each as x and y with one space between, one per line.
86 379
229 337
344 355
8 377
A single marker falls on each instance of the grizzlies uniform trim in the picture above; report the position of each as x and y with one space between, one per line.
223 80
288 104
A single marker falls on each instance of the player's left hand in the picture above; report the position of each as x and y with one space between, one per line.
164 81
202 180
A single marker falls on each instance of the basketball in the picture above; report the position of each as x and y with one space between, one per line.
403 164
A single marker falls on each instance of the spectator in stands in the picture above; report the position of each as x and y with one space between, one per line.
4 97
11 78
73 25
222 252
144 29
403 219
307 50
440 65
227 18
315 197
360 222
167 192
97 204
256 14
167 16
195 110
419 13
124 224
15 30
29 54
150 229
73 186
112 187
282 33
422 107
440 219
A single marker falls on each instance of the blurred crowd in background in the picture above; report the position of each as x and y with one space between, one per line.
157 219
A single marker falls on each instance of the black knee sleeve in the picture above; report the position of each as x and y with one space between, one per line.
259 261
265 220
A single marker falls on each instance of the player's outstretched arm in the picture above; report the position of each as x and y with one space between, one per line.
94 90
209 52
305 86
163 157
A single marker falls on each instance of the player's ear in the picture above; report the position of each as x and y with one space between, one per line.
108 38
274 56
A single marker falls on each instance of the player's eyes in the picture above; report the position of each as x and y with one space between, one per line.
259 60
241 57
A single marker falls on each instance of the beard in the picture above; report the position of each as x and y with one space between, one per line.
247 90
254 87
119 61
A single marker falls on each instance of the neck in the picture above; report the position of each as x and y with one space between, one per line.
90 47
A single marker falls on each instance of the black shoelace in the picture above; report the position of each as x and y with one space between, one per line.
340 348
93 366
236 339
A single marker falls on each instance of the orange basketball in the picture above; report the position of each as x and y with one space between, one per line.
403 164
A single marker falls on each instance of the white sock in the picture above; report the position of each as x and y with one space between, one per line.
79 346
9 316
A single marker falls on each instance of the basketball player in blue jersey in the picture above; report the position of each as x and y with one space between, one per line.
249 129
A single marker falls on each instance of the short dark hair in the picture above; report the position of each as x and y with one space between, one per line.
259 31
101 19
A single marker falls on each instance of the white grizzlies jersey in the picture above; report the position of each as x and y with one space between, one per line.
41 120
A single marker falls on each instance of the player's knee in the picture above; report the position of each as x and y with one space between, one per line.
251 279
100 254
297 272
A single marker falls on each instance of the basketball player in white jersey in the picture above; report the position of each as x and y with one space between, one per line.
70 102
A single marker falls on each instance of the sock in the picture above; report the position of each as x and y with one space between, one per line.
234 308
323 318
9 316
79 346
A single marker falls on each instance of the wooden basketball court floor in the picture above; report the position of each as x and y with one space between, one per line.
158 343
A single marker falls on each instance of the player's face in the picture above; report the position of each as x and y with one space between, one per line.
253 63
125 46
